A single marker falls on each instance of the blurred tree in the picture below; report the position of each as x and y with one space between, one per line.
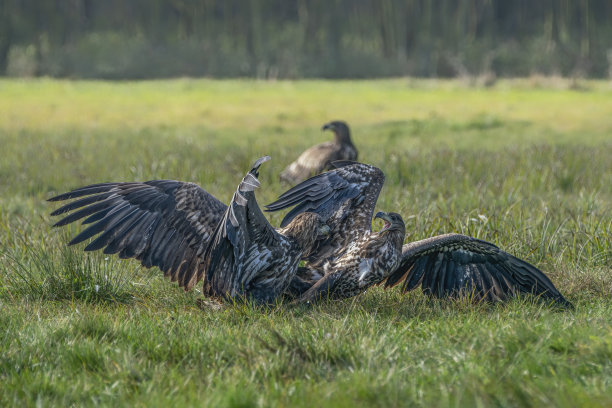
329 38
6 33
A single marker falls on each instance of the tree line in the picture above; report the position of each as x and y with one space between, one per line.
305 38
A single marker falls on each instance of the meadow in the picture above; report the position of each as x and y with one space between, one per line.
525 164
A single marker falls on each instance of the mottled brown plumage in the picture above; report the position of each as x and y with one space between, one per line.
366 262
319 158
345 198
249 258
304 229
353 258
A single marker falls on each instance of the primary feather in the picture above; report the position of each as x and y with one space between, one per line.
453 264
163 223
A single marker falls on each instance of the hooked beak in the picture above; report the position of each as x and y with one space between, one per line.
324 230
328 126
385 217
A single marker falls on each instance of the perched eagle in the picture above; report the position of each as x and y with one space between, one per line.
170 224
319 158
352 257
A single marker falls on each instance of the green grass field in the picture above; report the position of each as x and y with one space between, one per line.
526 164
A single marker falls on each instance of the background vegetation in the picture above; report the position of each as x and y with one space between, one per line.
305 38
524 164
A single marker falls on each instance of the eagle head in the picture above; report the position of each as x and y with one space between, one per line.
340 129
394 224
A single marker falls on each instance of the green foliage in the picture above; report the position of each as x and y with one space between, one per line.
523 165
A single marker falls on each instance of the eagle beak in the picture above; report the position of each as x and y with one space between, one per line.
328 126
385 217
382 215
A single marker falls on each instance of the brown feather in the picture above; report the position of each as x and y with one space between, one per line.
320 157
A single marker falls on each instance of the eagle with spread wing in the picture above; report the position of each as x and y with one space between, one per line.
352 258
190 235
247 256
319 158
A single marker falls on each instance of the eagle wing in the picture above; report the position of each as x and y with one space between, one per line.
344 198
163 223
244 244
312 161
451 264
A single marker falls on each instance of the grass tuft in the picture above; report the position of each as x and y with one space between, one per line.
58 272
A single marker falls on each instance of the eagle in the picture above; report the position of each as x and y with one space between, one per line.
352 257
319 158
247 257
190 235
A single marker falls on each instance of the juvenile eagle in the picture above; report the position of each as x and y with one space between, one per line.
247 256
169 224
319 158
352 257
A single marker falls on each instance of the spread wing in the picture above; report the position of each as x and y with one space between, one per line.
163 223
344 198
244 243
451 264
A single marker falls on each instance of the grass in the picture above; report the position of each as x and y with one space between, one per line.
522 164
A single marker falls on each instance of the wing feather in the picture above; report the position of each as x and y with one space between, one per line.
243 244
451 264
163 223
344 198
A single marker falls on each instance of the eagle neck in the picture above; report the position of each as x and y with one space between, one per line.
343 138
394 236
